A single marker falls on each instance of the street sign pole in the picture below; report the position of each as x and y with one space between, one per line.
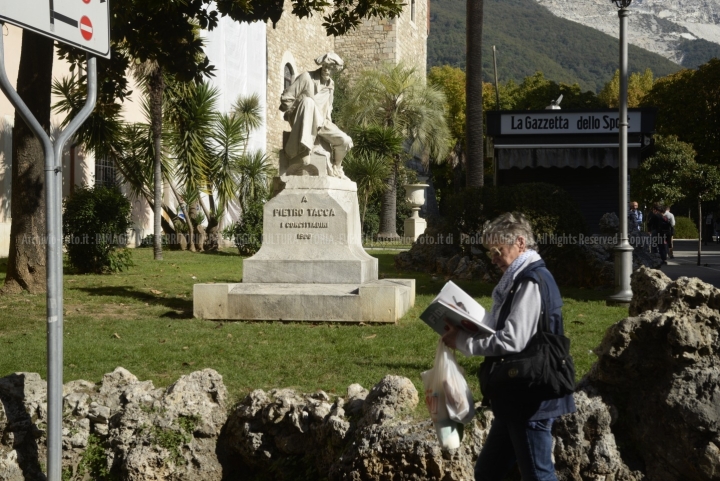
54 260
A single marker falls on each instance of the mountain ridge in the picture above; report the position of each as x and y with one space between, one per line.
530 38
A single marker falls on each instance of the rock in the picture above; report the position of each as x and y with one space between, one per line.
452 265
647 286
356 397
170 434
659 370
585 447
282 434
392 396
144 433
609 224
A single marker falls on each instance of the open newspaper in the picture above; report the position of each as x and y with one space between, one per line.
457 307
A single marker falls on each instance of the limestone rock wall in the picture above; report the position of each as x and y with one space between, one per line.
123 429
648 410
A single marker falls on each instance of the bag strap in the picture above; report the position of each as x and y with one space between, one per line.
544 321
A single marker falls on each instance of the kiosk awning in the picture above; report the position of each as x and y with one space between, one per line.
522 157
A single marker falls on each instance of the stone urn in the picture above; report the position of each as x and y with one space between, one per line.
415 225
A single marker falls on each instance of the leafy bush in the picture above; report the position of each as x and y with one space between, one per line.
149 241
95 225
249 229
549 209
685 228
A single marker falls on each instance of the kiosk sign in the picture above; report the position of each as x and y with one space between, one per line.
84 24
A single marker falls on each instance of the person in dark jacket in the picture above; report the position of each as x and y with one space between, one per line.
659 228
521 430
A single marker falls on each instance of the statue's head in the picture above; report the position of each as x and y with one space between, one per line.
330 63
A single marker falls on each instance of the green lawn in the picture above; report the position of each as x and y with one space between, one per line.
141 319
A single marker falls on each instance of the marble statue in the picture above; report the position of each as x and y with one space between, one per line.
307 104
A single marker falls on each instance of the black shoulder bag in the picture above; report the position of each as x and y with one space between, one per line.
544 369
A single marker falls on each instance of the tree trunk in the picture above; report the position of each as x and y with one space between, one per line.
27 259
700 230
183 208
156 87
473 92
191 228
388 207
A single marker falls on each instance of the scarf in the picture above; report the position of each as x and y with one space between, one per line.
506 281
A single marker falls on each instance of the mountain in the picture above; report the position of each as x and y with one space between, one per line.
684 31
528 38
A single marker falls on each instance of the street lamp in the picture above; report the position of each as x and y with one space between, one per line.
623 251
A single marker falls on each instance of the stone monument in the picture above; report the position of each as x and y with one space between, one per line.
312 265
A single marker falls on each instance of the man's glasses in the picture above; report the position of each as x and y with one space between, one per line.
493 252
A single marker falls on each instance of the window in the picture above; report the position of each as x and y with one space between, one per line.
289 76
104 173
412 10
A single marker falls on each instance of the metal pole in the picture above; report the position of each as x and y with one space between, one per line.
497 87
53 251
623 251
53 219
55 330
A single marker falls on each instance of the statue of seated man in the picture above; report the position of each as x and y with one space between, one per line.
308 104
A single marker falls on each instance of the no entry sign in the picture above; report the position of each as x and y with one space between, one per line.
84 24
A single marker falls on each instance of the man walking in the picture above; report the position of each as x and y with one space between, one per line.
635 218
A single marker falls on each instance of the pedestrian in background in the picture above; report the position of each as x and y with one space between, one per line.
708 229
670 218
635 218
658 231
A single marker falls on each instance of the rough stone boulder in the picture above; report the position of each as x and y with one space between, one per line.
585 447
283 432
125 429
659 370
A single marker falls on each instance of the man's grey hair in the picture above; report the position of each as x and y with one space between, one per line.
506 228
329 57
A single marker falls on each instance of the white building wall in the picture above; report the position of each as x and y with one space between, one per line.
12 49
239 53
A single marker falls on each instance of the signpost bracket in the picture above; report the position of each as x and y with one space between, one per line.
54 272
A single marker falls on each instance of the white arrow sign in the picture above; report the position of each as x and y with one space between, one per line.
84 24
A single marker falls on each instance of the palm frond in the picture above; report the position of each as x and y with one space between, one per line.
255 170
249 110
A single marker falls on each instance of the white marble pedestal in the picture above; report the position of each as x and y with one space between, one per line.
311 266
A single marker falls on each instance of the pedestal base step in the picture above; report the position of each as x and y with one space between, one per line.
385 300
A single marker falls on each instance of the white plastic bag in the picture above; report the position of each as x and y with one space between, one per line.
448 397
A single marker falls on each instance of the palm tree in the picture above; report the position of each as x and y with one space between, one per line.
150 74
255 170
397 98
474 109
370 162
369 171
249 112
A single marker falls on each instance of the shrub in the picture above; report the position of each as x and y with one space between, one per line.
149 241
249 229
371 226
549 209
685 228
95 225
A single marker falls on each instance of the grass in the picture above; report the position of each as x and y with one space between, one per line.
141 319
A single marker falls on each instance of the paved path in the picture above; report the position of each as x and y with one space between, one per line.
685 262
